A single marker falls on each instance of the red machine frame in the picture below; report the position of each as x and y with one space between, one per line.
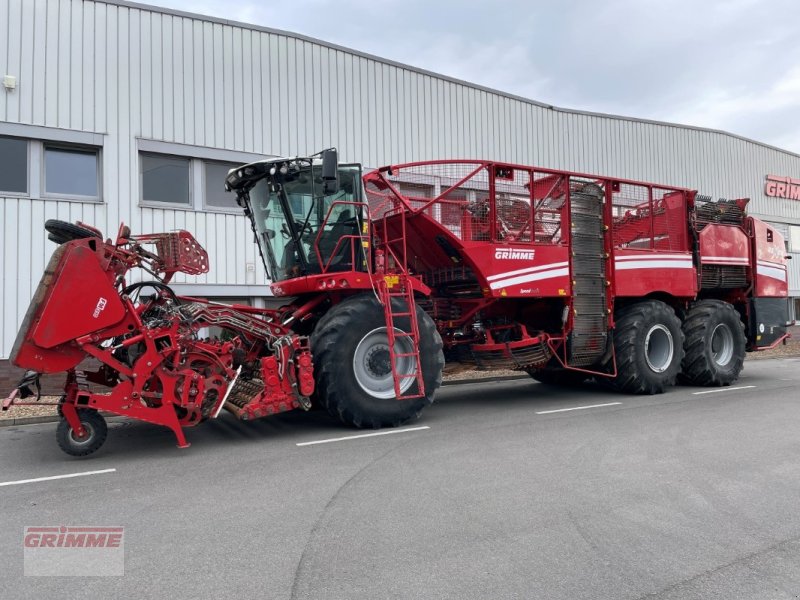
83 307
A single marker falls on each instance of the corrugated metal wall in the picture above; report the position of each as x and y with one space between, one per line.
129 72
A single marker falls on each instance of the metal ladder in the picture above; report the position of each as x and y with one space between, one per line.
397 297
589 337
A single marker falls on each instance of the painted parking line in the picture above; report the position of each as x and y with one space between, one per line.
54 477
558 410
724 389
363 435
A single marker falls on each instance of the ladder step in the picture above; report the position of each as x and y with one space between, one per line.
402 291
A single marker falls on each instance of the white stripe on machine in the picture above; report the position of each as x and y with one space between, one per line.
549 274
508 274
728 259
654 257
553 270
654 264
773 272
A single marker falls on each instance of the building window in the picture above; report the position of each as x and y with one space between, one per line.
214 183
71 172
14 161
49 169
166 179
184 177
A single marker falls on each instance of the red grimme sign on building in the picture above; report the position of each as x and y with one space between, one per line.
782 187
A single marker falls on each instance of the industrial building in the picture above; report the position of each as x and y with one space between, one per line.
113 111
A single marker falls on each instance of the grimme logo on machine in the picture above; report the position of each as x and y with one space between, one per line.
514 254
101 304
73 550
782 187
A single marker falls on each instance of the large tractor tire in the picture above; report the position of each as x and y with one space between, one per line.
62 232
354 379
648 344
715 344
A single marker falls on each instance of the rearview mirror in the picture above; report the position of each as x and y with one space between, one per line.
330 171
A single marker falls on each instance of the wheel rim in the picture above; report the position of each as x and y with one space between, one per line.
372 367
722 345
82 441
659 348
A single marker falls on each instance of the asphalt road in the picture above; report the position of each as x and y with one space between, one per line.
681 495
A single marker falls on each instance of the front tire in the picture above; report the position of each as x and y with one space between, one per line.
648 344
715 344
96 433
353 374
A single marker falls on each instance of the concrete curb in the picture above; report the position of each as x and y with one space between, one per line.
484 379
28 420
48 419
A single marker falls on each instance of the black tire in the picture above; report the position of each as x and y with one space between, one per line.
334 344
648 344
61 231
96 428
715 344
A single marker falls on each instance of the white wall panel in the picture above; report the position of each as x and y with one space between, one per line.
126 71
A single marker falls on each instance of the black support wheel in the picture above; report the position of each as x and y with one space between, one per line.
61 232
715 344
95 434
353 372
648 344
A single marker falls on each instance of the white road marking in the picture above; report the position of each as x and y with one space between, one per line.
363 435
724 389
53 477
558 410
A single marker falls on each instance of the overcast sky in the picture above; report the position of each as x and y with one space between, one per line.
727 64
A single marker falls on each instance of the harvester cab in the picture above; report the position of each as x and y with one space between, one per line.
307 214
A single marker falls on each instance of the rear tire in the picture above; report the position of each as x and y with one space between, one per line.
96 433
353 377
648 344
61 232
715 344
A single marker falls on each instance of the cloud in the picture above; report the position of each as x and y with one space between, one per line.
726 64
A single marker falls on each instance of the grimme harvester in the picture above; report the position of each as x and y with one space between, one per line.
562 275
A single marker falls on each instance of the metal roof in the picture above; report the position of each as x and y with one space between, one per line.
386 61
